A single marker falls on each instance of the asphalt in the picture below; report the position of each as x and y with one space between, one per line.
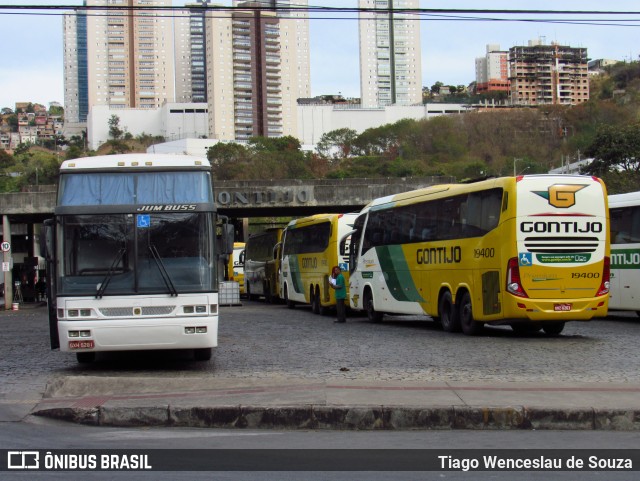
294 403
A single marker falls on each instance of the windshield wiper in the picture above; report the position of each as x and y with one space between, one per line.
163 271
107 278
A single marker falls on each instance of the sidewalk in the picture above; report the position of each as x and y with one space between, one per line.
341 405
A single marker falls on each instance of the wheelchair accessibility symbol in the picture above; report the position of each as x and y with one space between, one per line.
525 259
143 221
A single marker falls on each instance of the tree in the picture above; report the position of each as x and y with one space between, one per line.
115 132
337 144
435 88
6 159
615 148
616 157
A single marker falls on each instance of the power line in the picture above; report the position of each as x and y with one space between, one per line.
418 14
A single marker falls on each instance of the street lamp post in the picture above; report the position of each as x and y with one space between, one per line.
514 166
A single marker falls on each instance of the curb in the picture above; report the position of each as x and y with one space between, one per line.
349 418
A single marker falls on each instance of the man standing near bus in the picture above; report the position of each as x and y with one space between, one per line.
337 282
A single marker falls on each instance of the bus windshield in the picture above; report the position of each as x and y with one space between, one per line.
124 254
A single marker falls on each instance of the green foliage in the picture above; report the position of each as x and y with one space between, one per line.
615 149
337 144
262 158
56 110
74 152
115 132
6 159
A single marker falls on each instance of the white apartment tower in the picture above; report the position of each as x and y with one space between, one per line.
257 67
390 59
129 55
492 70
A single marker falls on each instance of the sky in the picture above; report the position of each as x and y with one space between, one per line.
31 64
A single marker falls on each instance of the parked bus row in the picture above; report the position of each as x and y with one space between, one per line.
531 252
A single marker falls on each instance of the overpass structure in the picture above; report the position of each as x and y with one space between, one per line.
250 198
23 212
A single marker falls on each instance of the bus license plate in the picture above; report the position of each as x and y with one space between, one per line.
562 307
81 345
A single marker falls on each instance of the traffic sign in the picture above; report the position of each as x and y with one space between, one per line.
6 247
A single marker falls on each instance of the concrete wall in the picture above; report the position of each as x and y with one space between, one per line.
316 120
176 121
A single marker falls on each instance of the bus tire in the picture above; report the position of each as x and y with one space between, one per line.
447 313
553 328
372 314
290 304
267 293
315 300
85 357
202 354
465 313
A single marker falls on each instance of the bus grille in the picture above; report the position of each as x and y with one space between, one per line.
561 245
128 311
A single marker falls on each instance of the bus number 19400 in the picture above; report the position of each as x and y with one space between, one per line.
484 253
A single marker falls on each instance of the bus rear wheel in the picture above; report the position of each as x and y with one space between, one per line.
315 300
465 313
372 314
553 328
448 315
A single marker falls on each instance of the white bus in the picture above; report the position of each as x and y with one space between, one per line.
131 256
624 213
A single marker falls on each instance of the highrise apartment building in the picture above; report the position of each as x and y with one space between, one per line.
548 74
257 68
492 70
76 87
191 60
129 56
390 59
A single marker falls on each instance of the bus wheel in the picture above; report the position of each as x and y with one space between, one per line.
203 354
287 301
315 300
465 314
372 314
553 328
448 315
85 357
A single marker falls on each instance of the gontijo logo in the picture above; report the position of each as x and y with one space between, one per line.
561 196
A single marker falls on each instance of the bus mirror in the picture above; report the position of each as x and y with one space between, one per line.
228 234
344 244
46 242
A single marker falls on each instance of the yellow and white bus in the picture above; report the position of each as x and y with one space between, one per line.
528 251
235 268
309 252
624 213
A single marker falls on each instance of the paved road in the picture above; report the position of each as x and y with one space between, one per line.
261 341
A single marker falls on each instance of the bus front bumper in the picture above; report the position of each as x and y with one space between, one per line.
138 334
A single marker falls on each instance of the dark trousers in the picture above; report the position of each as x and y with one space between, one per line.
340 308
